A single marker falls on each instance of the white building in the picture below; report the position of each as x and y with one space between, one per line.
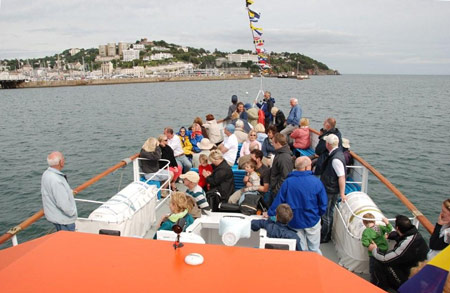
130 55
136 71
107 68
161 56
74 51
240 58
157 48
139 47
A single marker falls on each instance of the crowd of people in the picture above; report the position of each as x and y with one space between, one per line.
299 192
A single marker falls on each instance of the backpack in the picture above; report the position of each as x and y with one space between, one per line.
251 203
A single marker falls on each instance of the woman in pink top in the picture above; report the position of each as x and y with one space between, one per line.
245 149
301 135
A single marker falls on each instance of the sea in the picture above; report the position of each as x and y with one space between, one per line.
398 123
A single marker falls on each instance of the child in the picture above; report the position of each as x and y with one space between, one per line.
280 228
251 181
179 209
203 159
301 135
377 234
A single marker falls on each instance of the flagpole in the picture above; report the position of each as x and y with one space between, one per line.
261 91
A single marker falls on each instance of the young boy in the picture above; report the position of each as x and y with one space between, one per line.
252 182
280 228
377 234
203 159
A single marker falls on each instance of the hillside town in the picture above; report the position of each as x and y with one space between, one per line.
152 59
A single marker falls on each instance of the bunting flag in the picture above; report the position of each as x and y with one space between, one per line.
258 41
432 277
254 17
261 50
256 29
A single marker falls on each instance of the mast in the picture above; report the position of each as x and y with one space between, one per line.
258 42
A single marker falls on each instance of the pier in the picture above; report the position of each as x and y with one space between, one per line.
11 82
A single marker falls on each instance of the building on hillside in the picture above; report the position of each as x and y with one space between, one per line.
240 58
107 68
221 61
102 50
139 47
122 47
106 59
74 51
158 48
130 55
146 42
136 71
111 49
176 68
161 56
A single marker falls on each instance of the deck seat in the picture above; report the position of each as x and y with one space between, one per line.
238 178
153 182
351 187
306 152
238 154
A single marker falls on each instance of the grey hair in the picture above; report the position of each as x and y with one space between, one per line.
54 158
294 100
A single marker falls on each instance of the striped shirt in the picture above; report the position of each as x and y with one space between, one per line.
199 195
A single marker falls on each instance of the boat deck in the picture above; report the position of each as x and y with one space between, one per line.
328 249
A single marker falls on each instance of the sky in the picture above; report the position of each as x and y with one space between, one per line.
352 36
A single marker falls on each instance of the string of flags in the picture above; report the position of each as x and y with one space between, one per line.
257 32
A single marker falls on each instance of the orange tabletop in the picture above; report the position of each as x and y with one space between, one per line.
79 262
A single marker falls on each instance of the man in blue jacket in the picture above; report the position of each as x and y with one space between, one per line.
293 120
307 197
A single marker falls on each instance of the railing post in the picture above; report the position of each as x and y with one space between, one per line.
14 240
365 180
136 170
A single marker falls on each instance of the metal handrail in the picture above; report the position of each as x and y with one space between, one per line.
28 222
415 211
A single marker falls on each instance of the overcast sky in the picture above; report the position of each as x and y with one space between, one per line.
352 36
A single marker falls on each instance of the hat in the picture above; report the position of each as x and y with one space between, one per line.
346 143
234 98
191 176
247 106
230 128
205 144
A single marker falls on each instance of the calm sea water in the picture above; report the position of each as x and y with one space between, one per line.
399 124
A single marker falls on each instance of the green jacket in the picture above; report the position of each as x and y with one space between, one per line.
376 234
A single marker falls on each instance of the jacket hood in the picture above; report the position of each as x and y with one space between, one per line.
410 232
284 149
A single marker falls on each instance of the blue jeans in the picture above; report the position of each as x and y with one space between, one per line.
327 218
68 227
310 238
184 162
